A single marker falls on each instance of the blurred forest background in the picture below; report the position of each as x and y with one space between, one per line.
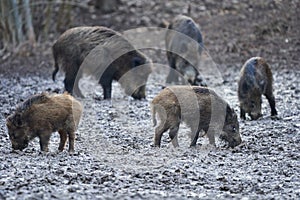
233 30
28 22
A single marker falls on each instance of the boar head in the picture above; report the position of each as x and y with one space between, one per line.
134 81
251 103
231 132
18 132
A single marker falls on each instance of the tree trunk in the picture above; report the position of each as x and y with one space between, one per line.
17 21
48 16
29 26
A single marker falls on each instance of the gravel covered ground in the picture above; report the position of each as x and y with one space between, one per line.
114 156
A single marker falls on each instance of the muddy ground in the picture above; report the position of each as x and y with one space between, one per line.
114 156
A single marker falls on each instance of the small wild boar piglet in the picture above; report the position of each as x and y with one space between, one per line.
255 79
200 108
42 114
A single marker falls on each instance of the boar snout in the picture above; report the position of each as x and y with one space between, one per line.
255 116
232 141
190 75
17 146
235 142
139 93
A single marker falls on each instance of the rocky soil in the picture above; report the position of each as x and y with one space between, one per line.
114 156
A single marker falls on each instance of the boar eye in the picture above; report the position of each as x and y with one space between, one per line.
233 129
12 136
252 104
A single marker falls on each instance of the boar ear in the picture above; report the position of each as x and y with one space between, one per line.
230 111
17 121
5 115
261 83
9 121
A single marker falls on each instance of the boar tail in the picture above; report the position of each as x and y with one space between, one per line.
153 111
55 71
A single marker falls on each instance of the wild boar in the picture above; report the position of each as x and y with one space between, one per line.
103 53
200 108
255 79
184 47
42 114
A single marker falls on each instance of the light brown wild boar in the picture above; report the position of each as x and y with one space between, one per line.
200 108
255 79
41 115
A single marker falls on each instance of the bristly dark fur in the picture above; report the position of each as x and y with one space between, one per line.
255 80
76 44
79 34
35 99
184 33
202 90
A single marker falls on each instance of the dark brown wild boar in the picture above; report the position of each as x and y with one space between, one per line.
255 79
184 47
104 54
42 114
200 108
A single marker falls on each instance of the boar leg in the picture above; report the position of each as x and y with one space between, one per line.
71 141
271 100
63 139
107 92
172 76
76 89
242 114
194 141
195 137
44 141
70 75
211 137
173 134
158 134
106 86
69 82
195 130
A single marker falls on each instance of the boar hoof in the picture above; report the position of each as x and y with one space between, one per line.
71 152
275 117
